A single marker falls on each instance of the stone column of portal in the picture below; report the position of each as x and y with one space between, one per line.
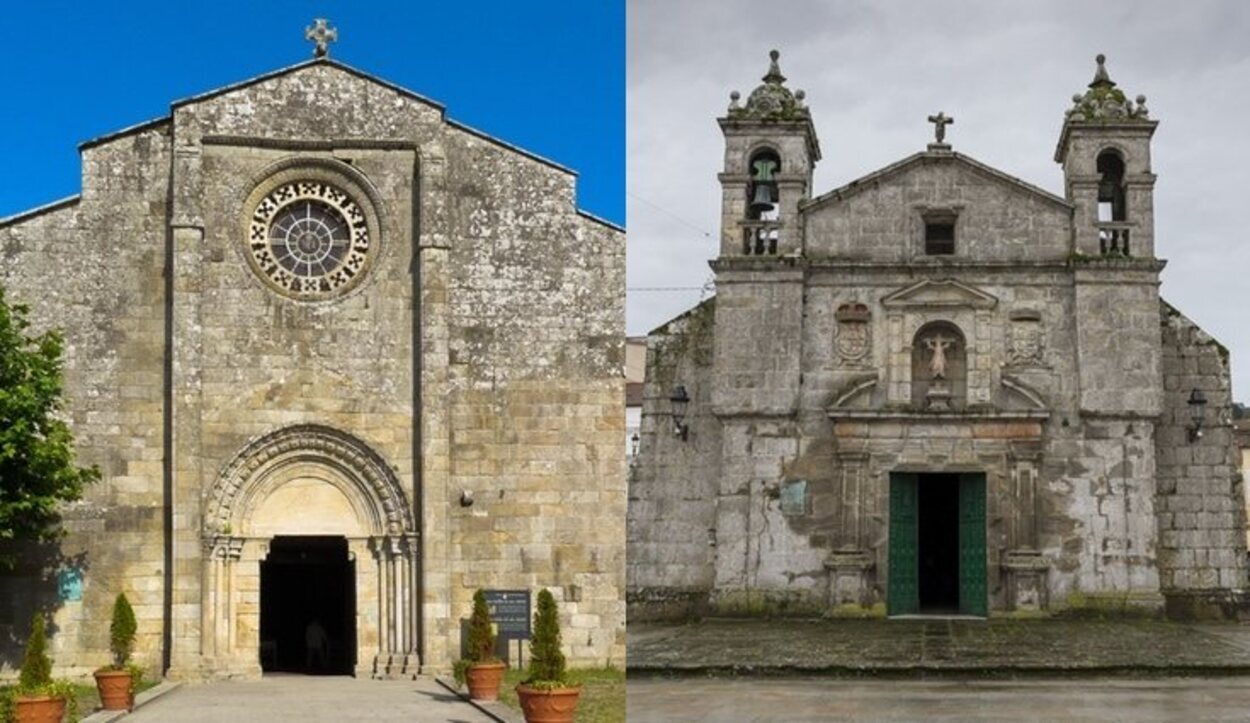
212 564
413 612
234 551
378 546
405 607
397 607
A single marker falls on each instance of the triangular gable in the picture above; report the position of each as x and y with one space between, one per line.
944 294
301 66
895 169
297 67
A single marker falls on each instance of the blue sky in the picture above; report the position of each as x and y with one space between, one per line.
546 75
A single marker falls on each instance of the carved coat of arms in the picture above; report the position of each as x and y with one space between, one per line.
1025 346
853 336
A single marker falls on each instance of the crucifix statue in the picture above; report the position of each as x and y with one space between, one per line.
938 344
940 121
321 34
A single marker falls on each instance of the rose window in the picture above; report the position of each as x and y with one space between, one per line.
309 239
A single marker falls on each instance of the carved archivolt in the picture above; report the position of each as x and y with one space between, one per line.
262 466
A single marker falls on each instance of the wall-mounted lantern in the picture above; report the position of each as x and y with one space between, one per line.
634 441
1197 414
680 399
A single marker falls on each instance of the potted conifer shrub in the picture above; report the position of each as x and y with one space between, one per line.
480 668
116 682
546 694
39 698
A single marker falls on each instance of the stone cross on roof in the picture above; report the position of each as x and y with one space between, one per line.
321 34
940 121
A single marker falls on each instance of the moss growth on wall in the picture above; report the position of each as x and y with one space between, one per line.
1110 605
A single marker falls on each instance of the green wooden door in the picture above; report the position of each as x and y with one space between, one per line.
972 559
903 593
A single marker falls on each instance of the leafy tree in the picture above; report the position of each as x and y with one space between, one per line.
122 631
37 470
546 660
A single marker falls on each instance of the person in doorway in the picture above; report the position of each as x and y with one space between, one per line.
315 643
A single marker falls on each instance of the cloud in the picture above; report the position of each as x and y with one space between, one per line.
874 71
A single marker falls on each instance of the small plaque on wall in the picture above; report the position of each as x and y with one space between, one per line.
69 584
794 497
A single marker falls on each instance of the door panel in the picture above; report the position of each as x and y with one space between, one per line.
903 591
973 596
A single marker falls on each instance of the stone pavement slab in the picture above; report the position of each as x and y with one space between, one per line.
824 699
310 699
860 647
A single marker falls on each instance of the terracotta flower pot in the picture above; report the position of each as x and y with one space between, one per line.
484 680
114 687
548 706
39 709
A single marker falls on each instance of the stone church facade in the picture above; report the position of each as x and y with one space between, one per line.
935 389
337 357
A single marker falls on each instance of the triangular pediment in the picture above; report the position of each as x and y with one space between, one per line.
941 294
892 174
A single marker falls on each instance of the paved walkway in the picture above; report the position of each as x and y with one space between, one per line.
903 647
825 699
308 699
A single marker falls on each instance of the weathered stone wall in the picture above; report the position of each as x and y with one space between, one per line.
881 218
93 268
1201 515
671 532
482 353
803 410
536 351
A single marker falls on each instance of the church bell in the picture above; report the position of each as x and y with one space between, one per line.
764 187
762 199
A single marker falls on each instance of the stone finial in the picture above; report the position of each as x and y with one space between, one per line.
774 76
321 35
734 97
1104 102
1101 79
771 100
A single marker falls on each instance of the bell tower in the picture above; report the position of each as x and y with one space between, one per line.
1105 151
770 151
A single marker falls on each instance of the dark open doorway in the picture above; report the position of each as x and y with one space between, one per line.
308 607
937 562
938 543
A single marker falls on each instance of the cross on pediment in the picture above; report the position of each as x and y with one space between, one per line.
321 35
940 121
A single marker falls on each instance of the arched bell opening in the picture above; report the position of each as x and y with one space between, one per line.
762 192
1111 198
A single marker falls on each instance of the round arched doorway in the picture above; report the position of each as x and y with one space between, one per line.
310 560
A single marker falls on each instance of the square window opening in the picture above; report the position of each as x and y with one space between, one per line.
939 237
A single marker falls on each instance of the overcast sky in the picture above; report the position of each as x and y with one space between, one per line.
1006 71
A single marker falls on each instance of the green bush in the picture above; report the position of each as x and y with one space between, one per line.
36 676
36 665
480 647
481 631
122 631
547 665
